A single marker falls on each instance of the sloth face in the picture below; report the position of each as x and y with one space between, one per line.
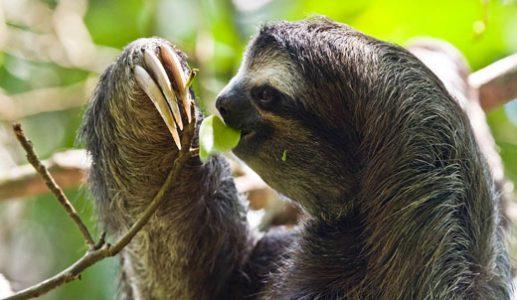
260 101
326 111
296 132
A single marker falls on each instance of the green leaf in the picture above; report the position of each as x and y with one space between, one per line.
284 155
216 137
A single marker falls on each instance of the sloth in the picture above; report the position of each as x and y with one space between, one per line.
400 203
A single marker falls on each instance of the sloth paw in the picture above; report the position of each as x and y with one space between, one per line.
162 78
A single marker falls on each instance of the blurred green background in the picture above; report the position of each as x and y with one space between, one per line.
51 53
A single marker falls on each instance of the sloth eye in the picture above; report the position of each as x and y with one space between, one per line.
266 96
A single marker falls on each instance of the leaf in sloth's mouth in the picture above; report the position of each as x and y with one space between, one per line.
216 137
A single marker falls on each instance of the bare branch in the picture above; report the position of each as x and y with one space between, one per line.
69 169
103 250
496 83
51 184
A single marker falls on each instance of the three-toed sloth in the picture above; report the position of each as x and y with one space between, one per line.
359 132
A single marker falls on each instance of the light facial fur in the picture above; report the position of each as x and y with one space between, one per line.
283 147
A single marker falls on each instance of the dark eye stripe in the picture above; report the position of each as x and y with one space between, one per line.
267 97
270 99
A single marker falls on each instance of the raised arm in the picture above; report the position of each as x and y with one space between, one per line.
198 244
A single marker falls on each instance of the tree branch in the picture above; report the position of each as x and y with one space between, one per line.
103 250
496 83
69 169
51 184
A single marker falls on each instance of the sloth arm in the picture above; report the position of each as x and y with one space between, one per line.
198 245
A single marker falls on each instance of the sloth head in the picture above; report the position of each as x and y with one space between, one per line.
303 99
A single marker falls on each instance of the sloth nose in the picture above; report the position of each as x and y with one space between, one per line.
230 105
235 108
230 109
223 106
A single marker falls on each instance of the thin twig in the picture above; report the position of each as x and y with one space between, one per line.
70 167
52 185
104 250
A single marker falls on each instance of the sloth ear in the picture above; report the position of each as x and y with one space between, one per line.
264 41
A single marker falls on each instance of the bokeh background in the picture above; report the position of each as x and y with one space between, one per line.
52 52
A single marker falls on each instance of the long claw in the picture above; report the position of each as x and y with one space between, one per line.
172 62
152 61
153 92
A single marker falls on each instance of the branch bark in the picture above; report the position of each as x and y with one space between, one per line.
51 184
496 83
69 169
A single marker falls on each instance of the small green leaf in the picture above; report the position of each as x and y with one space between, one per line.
216 137
284 155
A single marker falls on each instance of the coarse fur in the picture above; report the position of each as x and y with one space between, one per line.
400 201
132 154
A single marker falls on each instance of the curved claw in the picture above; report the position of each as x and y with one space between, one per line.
172 62
153 63
153 92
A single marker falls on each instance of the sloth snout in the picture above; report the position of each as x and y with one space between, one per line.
222 105
235 108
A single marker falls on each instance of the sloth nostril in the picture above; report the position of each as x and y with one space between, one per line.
223 112
221 104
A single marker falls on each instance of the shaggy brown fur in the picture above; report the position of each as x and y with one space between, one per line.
384 161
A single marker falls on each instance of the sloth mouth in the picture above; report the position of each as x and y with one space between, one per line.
247 133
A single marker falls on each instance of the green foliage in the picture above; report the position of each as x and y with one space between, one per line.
57 242
216 137
214 33
117 22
